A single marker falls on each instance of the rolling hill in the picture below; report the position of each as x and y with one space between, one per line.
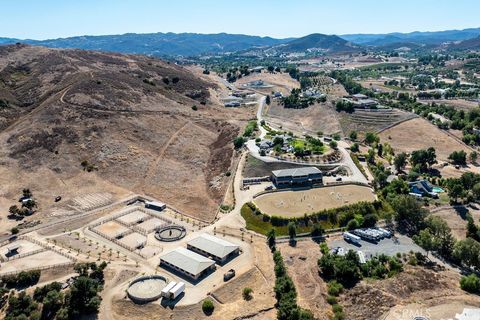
129 117
319 42
158 44
470 44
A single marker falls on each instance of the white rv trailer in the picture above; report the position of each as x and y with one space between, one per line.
347 236
167 288
177 290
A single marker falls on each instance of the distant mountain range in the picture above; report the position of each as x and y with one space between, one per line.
194 44
424 38
159 44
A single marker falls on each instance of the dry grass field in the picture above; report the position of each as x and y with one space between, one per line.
309 120
297 203
301 262
456 220
280 81
140 134
374 299
456 103
418 134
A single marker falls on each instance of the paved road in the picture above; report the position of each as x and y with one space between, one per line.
355 174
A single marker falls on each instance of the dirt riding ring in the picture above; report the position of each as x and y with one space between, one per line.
170 233
146 288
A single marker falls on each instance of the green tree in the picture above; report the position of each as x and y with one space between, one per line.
271 238
400 161
292 230
333 144
458 157
470 283
247 294
317 230
423 159
409 214
456 191
238 142
442 234
426 240
268 100
355 147
13 210
371 138
207 306
27 193
52 302
353 135
353 224
84 298
370 156
467 252
476 191
473 156
380 150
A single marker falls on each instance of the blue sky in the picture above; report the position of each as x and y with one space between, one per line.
44 19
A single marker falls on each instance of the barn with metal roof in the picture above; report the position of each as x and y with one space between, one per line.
210 246
188 263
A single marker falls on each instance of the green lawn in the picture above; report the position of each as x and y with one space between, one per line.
256 223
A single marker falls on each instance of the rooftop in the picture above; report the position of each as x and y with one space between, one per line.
304 171
155 203
213 245
187 260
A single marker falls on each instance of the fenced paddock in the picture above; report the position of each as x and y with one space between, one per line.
113 229
130 228
26 248
134 240
151 225
44 259
134 217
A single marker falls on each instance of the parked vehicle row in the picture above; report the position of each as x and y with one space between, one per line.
372 234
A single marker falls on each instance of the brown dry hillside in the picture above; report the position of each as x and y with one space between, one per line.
129 116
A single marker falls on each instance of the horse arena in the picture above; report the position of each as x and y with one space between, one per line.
299 202
131 228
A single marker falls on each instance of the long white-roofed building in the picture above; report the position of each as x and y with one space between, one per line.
188 263
210 246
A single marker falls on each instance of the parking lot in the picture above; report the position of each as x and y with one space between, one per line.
388 246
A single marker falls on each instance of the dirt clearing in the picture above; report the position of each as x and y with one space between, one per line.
297 203
301 262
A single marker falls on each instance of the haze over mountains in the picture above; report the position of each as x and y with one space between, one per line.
194 44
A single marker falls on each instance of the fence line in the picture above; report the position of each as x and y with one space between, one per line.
38 268
26 254
330 184
47 247
117 242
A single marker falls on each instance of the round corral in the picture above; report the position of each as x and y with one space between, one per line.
170 233
146 288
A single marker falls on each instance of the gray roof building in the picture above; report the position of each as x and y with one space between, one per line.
209 245
187 262
304 171
297 176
